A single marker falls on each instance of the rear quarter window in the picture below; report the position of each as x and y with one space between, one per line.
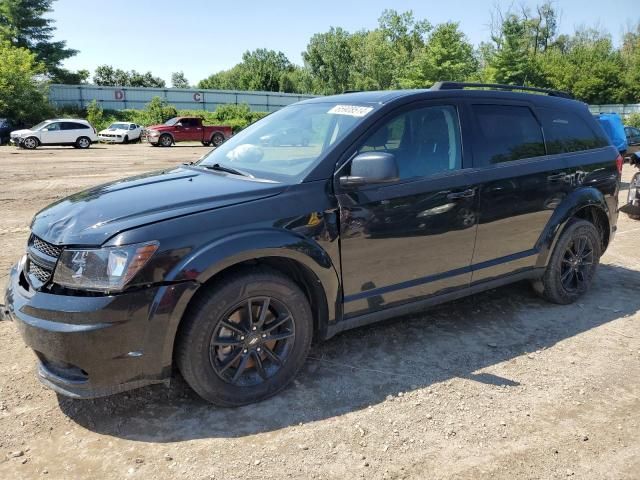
568 132
507 133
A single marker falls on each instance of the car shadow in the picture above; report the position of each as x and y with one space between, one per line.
363 367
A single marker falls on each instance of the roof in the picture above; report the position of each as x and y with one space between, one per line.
382 97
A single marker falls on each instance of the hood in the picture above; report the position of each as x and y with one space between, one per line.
19 133
114 130
95 215
160 127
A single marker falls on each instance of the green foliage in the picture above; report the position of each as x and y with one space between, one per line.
261 69
23 24
633 120
95 116
157 111
448 55
106 75
22 97
178 80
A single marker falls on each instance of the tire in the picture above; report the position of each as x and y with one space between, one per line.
30 143
165 140
83 142
206 144
125 140
634 187
217 139
566 278
242 368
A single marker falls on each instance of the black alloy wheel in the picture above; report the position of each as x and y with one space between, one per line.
577 264
253 341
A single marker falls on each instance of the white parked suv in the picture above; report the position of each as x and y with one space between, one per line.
61 131
120 132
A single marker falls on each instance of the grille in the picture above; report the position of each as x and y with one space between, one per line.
45 247
39 272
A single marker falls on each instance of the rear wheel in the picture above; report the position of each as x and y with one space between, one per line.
83 142
572 265
165 140
30 143
217 139
246 338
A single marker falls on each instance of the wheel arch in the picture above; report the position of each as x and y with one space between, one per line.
317 279
587 204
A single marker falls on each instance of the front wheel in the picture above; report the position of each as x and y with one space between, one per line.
83 142
246 338
165 140
30 143
125 140
572 265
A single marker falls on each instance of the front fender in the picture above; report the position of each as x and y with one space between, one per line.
203 264
568 208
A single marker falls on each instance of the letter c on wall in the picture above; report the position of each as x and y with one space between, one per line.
197 97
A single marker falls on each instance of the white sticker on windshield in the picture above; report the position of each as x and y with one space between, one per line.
351 110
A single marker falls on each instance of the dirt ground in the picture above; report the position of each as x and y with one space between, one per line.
498 385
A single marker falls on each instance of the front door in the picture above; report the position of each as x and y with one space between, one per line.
52 133
414 238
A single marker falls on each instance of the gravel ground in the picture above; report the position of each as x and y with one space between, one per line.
498 385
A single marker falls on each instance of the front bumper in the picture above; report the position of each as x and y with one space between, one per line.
87 346
17 141
113 139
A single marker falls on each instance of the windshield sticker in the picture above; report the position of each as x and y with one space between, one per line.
351 110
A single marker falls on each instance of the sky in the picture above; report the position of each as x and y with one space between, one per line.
202 37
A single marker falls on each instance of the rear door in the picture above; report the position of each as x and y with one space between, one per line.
411 239
520 186
71 131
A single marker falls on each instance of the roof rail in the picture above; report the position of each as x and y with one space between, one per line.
498 86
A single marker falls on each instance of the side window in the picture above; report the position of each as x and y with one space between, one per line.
188 122
132 127
507 133
567 132
424 141
52 127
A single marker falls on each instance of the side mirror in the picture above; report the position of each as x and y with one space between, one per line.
179 124
371 168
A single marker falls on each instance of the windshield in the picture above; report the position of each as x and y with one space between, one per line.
172 121
119 126
286 145
40 125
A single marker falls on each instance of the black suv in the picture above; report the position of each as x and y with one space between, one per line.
231 266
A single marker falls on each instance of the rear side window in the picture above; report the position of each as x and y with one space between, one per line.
567 132
73 126
507 133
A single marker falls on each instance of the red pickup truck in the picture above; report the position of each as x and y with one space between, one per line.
186 129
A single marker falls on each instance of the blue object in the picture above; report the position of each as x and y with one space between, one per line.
614 128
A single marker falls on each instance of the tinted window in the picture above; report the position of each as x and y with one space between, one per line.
506 133
189 122
424 141
73 126
567 132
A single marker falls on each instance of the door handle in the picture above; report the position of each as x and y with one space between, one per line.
470 192
557 177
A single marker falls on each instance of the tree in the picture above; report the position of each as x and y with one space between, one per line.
22 97
630 53
157 111
448 55
178 80
23 24
329 57
106 75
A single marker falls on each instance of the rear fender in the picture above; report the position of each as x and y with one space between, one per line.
568 208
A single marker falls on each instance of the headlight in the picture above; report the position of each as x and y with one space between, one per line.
104 269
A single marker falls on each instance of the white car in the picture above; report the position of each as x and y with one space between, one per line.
121 132
61 131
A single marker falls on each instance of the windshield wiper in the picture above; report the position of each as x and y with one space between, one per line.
224 168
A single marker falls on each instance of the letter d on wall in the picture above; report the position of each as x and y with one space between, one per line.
119 94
